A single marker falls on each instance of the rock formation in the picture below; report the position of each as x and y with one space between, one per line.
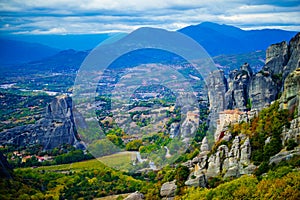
238 88
135 196
284 155
197 181
55 128
281 60
290 100
232 162
263 90
204 145
248 92
217 87
276 58
252 92
168 190
5 168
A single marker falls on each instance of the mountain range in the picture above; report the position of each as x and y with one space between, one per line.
223 39
215 38
15 52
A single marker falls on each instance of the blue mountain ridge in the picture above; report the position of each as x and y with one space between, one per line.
224 39
216 39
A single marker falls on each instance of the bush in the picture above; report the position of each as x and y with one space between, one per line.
291 144
263 168
134 145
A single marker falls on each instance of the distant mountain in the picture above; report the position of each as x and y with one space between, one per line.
16 52
223 39
77 42
64 61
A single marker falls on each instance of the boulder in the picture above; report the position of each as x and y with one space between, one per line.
197 181
284 155
135 196
168 189
204 145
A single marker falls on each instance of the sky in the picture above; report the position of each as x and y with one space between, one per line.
103 16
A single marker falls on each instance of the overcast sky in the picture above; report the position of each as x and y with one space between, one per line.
97 16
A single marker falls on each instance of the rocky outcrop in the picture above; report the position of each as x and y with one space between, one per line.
290 100
135 196
5 168
217 87
232 163
294 54
215 161
204 145
238 88
291 133
174 130
263 90
284 155
281 60
55 128
252 92
276 57
168 190
246 94
197 181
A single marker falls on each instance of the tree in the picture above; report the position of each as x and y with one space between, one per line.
134 145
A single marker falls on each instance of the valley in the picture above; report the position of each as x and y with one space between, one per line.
151 133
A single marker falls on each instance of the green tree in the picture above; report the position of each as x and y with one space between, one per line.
134 145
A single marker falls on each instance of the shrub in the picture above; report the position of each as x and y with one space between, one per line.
291 144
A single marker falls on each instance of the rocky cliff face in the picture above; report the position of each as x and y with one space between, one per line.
247 91
217 87
276 57
238 88
55 128
290 100
232 162
281 60
263 90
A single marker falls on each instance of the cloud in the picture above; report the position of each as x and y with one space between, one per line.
93 16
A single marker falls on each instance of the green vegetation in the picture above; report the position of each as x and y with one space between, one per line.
267 126
73 156
80 180
281 184
103 147
134 145
291 144
121 161
20 108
